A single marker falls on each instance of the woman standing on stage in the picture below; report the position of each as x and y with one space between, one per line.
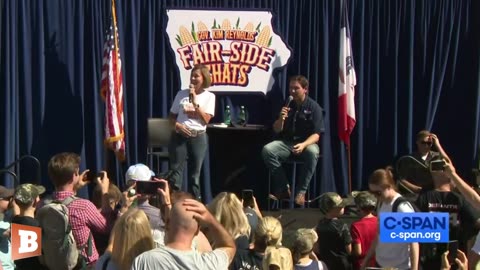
190 113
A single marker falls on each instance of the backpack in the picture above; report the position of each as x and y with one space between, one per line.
59 248
401 200
428 251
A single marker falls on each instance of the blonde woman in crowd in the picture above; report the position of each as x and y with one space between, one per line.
267 233
131 236
397 255
276 256
228 211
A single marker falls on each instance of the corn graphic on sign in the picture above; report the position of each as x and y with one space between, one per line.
240 48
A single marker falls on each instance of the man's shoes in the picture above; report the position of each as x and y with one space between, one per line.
300 199
285 194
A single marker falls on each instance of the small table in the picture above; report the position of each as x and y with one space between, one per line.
235 157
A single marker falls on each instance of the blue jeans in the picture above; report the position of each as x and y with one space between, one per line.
277 152
194 148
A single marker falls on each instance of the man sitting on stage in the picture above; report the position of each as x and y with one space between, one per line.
299 126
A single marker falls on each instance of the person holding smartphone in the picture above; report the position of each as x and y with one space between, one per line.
140 174
426 142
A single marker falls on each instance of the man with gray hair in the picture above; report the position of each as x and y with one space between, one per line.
186 218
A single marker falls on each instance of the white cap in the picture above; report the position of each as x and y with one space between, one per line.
138 172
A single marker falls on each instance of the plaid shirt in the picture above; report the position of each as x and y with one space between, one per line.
84 218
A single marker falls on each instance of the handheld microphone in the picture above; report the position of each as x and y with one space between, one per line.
190 96
290 98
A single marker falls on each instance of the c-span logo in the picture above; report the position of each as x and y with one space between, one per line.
26 241
414 227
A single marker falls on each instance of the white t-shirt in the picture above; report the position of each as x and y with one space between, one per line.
394 254
168 258
181 105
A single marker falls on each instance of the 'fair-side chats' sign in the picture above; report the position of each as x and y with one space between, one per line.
240 48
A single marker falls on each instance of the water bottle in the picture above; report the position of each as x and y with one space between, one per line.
227 119
242 117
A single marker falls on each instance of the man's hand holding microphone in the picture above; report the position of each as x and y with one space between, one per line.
278 125
286 109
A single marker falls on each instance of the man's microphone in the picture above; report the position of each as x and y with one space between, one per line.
290 98
190 96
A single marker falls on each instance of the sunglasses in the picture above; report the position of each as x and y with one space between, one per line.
426 143
376 192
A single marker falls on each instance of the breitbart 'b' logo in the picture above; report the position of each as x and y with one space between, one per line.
26 241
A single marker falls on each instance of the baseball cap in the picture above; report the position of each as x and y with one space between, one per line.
26 193
138 172
305 238
364 199
279 256
6 192
331 200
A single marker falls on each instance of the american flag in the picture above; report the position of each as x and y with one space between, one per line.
112 90
346 83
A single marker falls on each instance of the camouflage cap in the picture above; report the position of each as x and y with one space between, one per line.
26 193
331 200
364 199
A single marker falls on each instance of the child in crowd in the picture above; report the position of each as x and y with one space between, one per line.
398 255
267 233
305 240
336 244
26 197
364 230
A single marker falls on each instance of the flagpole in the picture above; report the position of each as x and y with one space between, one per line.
349 170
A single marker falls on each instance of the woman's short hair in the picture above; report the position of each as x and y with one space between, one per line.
132 235
207 81
228 210
62 167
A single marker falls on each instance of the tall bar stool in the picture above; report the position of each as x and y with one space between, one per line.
311 191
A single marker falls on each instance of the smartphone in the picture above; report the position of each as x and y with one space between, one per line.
452 251
91 176
148 187
437 165
247 196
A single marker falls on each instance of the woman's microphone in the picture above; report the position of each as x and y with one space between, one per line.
190 95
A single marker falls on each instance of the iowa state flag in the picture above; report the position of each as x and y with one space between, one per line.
112 90
346 83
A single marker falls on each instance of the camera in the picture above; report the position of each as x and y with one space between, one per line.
437 165
91 176
149 187
247 196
